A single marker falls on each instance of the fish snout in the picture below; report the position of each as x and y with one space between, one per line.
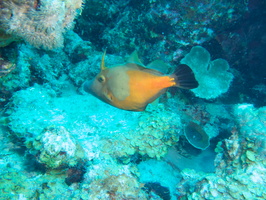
87 86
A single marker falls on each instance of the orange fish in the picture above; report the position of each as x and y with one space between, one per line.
132 86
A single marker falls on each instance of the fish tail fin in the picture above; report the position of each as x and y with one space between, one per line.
184 77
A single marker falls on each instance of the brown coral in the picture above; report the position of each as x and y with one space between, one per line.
39 22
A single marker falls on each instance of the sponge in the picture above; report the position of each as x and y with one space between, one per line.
213 76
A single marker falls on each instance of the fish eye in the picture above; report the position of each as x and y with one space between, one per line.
101 79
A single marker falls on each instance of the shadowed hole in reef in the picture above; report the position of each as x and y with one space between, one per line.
136 158
32 165
184 155
75 174
16 144
155 187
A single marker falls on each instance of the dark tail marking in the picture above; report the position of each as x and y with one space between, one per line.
185 78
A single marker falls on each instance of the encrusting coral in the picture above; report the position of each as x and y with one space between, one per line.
56 148
40 23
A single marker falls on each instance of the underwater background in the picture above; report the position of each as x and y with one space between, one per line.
59 142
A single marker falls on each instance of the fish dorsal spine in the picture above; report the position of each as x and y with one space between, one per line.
102 62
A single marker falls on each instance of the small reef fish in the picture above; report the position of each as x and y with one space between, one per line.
132 86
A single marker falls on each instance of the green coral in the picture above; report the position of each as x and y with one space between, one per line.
157 130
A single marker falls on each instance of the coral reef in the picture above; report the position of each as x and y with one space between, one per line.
240 162
40 23
161 28
156 131
150 133
110 143
59 143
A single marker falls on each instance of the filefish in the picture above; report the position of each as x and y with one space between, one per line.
132 86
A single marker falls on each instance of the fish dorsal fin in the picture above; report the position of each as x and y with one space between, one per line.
159 65
133 58
102 63
144 69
